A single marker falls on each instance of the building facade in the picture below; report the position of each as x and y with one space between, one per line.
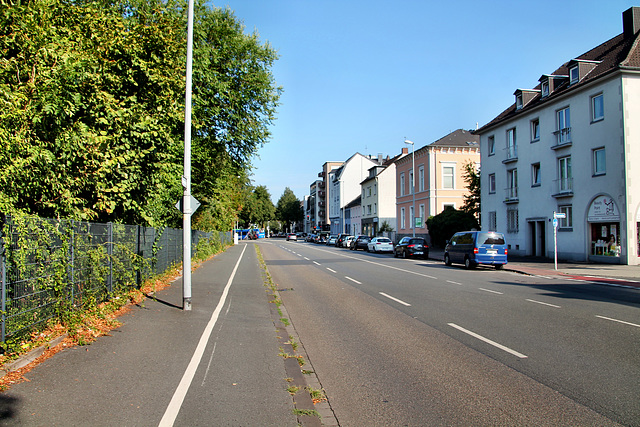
570 146
439 180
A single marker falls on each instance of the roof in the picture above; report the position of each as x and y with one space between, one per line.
457 138
618 53
355 202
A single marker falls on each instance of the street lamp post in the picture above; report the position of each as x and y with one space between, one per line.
413 184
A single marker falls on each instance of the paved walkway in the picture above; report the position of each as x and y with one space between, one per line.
606 274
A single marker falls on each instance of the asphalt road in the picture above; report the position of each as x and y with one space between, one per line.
412 342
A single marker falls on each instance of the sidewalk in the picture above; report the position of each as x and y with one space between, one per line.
605 274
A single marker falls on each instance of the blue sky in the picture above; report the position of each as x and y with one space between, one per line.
361 75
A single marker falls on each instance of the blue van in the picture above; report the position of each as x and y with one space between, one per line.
476 247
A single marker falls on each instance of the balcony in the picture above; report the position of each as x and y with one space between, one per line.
321 184
511 195
563 187
511 154
563 139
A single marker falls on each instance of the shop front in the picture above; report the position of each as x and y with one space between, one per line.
604 230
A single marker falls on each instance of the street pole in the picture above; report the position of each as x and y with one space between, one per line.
186 178
413 184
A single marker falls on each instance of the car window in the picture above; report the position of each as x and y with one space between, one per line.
417 242
383 240
490 239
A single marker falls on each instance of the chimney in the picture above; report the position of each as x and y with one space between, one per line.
379 158
631 22
405 150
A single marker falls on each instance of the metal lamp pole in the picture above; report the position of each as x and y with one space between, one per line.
413 184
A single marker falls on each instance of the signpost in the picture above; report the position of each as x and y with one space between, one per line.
556 216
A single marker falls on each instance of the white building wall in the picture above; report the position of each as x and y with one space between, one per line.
631 128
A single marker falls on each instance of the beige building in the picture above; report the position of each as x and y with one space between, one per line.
439 180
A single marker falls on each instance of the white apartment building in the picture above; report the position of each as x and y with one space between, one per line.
571 146
344 185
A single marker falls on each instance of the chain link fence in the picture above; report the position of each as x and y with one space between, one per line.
46 261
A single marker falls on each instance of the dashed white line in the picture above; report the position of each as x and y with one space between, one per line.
489 290
454 283
331 270
316 263
544 303
307 259
619 321
395 299
353 280
488 341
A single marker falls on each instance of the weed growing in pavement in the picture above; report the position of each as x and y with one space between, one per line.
316 395
306 412
293 390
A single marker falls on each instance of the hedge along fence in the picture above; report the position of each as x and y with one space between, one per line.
51 268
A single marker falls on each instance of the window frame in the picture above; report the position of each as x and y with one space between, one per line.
512 143
402 184
566 222
545 88
573 80
535 126
402 219
595 162
421 178
593 99
536 176
491 143
492 183
451 166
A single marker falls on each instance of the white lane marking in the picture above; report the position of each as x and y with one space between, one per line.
619 321
395 299
316 263
298 254
307 259
172 410
331 270
544 303
454 283
353 280
488 341
489 290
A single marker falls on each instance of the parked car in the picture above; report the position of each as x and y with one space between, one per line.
347 241
310 238
332 239
320 238
476 247
412 247
360 243
340 240
380 244
292 236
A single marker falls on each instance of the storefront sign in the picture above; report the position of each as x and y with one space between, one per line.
603 209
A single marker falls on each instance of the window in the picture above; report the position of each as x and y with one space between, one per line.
568 221
369 191
574 75
421 178
402 189
375 189
402 218
599 162
375 208
519 101
492 145
536 178
512 184
512 220
493 223
597 108
422 214
512 151
368 209
447 177
535 130
563 126
411 216
411 182
545 88
363 192
565 177
492 183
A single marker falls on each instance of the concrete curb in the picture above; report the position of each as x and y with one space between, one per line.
30 357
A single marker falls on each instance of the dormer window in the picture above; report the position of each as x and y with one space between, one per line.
545 88
574 75
519 101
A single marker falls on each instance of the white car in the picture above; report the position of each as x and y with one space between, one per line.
380 244
346 243
292 236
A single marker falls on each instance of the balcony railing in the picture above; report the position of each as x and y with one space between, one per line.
563 187
563 138
511 154
511 194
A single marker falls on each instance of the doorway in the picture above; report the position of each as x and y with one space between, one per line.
538 246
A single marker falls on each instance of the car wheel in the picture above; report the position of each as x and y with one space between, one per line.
404 254
395 254
447 260
468 264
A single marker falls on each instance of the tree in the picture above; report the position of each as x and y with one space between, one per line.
289 208
472 197
449 221
92 113
258 208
